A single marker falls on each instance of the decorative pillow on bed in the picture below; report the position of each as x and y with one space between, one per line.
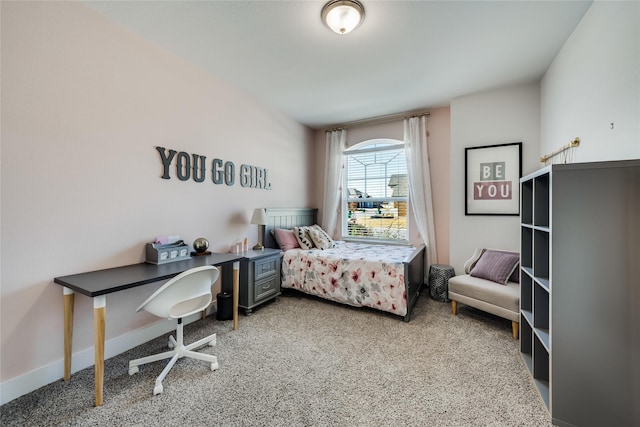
496 266
320 237
286 239
302 236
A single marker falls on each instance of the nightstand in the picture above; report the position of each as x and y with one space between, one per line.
259 278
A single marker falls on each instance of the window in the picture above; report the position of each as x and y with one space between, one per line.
376 197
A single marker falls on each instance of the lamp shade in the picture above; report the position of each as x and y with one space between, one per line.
259 217
343 16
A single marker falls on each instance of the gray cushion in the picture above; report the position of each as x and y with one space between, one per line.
506 296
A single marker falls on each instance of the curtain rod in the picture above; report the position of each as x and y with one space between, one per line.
378 120
572 144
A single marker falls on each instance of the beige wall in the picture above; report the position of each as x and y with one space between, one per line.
84 103
438 127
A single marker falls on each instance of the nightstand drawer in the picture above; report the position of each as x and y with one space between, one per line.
266 288
265 268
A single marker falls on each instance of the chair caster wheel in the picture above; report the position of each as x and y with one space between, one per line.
214 366
157 389
133 370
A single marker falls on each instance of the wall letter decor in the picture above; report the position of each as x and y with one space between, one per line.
229 173
217 175
199 171
254 177
166 161
183 166
221 171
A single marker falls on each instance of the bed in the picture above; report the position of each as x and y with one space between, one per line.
383 277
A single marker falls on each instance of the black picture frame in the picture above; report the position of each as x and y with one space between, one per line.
492 179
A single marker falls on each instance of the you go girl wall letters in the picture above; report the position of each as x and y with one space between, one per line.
194 167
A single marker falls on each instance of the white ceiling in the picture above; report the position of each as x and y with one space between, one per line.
406 55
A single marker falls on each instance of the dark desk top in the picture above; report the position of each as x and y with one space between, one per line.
102 282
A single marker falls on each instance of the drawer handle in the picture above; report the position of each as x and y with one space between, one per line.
265 287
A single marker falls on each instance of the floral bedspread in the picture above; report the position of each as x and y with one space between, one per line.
351 273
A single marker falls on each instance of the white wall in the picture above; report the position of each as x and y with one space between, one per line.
595 81
489 118
84 103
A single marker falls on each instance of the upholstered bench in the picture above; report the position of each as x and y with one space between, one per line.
491 284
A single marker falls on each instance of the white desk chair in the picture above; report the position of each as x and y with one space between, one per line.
185 294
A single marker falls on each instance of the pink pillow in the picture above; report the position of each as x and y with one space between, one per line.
285 239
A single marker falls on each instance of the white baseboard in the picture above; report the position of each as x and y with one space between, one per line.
31 381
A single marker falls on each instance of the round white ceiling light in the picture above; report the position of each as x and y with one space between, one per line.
343 16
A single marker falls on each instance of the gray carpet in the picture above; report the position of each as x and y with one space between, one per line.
301 361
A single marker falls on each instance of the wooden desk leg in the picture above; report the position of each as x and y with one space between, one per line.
68 330
236 289
99 308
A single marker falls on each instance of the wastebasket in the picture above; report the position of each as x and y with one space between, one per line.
439 276
225 306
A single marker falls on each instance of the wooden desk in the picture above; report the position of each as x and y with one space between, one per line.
97 284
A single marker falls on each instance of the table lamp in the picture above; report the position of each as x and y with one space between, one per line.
260 219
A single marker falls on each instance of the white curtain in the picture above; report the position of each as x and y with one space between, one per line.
415 143
334 167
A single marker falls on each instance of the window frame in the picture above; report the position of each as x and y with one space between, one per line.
367 147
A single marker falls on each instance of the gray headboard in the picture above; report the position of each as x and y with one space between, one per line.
287 218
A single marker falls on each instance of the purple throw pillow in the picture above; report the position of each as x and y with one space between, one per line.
496 266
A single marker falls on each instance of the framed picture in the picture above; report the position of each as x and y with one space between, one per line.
492 179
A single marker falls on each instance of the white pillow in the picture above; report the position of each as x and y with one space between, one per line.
302 236
320 237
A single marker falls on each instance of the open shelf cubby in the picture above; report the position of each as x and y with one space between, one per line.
541 254
526 251
526 194
526 341
541 370
526 292
541 200
541 314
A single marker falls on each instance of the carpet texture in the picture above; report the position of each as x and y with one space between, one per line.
301 361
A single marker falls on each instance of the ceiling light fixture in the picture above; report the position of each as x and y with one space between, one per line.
343 16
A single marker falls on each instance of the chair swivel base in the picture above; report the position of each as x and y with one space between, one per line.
179 350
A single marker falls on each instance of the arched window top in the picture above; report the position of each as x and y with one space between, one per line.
375 144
